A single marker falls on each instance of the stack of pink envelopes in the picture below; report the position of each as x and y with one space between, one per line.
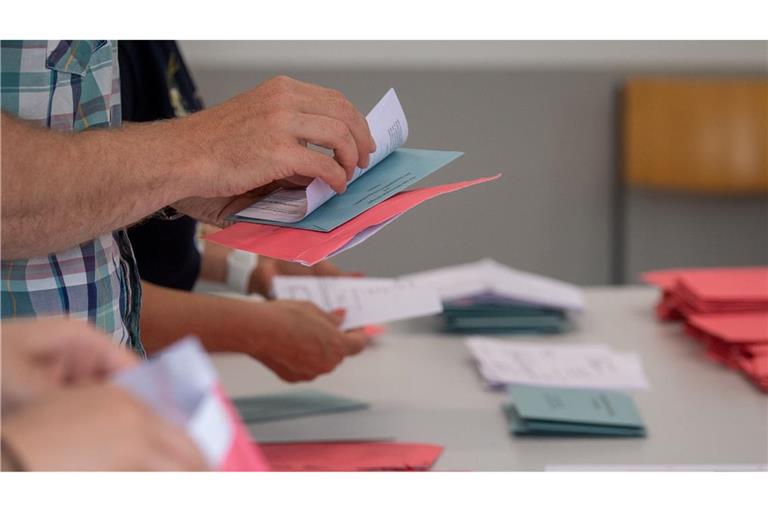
726 309
310 247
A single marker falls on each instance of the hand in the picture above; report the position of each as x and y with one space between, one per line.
97 428
267 268
45 354
215 210
297 340
261 136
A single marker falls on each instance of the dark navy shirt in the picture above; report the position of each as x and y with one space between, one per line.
155 84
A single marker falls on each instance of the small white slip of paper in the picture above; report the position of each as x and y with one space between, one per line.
367 301
557 365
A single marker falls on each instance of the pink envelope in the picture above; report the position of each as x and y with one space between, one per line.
351 456
243 454
311 247
738 328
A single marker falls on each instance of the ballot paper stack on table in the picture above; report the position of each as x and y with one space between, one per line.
537 411
308 225
725 309
563 390
488 297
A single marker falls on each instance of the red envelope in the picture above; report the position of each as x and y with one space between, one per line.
350 456
709 290
243 454
311 247
747 328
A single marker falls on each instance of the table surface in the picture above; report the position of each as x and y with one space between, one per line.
423 387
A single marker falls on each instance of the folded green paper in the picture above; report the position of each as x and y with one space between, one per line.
542 411
293 404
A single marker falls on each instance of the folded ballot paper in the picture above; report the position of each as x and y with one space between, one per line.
180 384
391 170
311 247
487 297
542 411
367 301
595 366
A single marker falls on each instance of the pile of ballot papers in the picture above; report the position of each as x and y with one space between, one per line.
488 297
537 411
537 363
725 309
308 225
557 389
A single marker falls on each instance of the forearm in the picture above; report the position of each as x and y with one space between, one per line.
61 189
213 265
168 315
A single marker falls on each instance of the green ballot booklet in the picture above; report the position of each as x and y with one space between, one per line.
545 411
293 404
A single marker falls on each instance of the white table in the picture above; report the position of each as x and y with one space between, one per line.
423 387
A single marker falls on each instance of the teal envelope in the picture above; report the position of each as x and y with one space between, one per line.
279 406
572 412
398 171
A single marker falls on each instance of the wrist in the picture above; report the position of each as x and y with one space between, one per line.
247 329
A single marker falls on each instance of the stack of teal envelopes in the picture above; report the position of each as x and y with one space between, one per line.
488 316
293 404
543 411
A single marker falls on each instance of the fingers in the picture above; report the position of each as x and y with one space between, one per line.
332 134
355 341
174 448
333 104
91 355
305 162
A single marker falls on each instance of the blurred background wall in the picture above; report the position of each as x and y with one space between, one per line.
545 114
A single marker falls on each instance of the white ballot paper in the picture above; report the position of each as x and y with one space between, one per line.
490 279
593 366
389 129
367 301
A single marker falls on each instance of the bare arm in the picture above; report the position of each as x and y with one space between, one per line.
61 189
294 339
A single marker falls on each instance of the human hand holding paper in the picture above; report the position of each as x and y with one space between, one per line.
389 130
295 339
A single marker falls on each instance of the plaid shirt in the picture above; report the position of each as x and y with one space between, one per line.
71 86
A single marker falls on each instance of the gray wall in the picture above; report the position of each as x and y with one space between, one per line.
558 209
